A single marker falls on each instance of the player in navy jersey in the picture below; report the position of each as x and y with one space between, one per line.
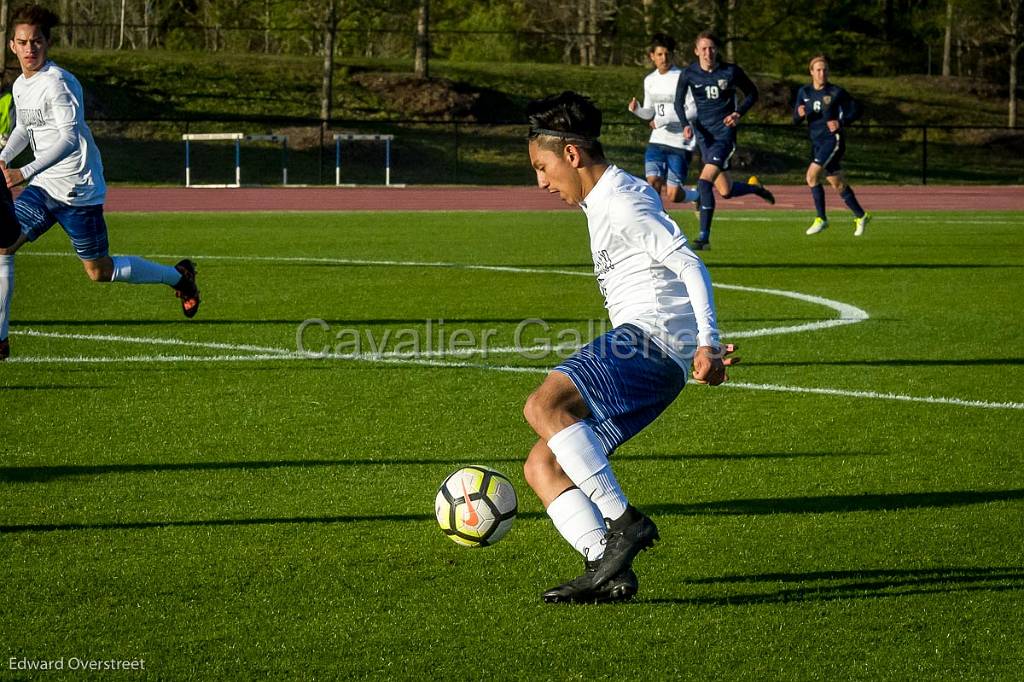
712 85
828 109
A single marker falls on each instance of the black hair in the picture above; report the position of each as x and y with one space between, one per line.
35 15
662 40
565 118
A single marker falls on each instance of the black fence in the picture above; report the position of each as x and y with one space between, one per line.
449 152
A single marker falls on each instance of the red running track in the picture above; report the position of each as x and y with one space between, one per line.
461 198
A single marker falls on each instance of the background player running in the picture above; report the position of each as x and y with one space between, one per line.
66 182
658 295
828 110
669 151
712 85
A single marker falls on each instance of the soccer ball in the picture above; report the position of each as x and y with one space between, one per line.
475 506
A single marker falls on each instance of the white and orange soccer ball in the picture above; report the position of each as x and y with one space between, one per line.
476 506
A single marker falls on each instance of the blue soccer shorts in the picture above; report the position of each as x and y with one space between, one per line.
668 163
37 212
828 152
716 146
626 381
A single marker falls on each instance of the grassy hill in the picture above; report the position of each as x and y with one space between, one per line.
141 103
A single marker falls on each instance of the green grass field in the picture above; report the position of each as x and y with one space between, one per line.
190 494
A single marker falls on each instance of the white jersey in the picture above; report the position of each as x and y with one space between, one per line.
51 118
645 270
659 106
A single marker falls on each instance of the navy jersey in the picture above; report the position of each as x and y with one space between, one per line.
714 93
831 103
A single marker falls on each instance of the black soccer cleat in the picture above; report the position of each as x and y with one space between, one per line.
700 245
760 190
5 349
186 288
627 536
582 589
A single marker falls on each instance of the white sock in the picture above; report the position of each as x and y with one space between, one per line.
690 194
6 292
135 270
579 522
583 459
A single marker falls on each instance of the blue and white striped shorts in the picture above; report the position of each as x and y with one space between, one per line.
626 380
37 211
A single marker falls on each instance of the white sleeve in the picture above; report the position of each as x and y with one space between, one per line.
646 112
697 281
64 110
658 235
690 107
15 144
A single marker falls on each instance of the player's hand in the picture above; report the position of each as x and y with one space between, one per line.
833 126
801 111
654 126
633 104
13 176
687 133
732 119
709 364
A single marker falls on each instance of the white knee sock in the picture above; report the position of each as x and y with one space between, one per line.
579 522
583 459
135 270
6 292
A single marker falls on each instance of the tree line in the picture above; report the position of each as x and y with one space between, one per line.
969 38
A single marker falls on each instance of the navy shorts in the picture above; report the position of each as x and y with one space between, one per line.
716 146
626 380
828 152
671 163
37 212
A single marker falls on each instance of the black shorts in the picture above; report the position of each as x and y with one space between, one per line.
828 152
716 146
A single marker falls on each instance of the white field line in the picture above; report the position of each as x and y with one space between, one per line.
848 314
281 354
291 354
876 396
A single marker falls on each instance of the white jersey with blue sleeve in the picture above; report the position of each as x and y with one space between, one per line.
51 119
645 270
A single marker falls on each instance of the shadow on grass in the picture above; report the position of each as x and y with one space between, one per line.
976 362
54 387
42 474
449 322
824 586
825 504
863 266
798 505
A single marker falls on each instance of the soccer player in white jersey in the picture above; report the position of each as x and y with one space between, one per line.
658 295
65 179
669 150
